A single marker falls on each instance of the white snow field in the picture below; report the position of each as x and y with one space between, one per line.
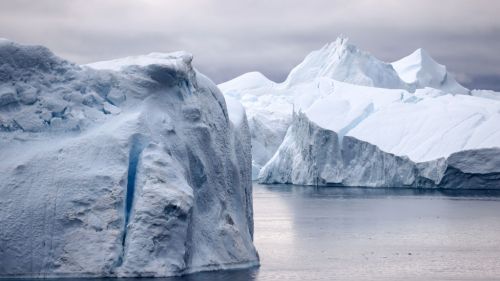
124 168
406 124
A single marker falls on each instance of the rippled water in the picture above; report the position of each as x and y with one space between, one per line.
308 233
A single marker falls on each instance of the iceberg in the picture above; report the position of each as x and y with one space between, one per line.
312 155
125 168
343 117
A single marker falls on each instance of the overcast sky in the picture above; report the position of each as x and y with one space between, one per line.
231 37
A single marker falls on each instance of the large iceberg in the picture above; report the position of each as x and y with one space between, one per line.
343 117
312 155
123 168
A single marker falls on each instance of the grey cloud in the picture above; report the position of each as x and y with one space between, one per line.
231 37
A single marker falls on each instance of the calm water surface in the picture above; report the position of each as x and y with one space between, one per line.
308 233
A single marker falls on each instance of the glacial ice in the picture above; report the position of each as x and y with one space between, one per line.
135 169
413 126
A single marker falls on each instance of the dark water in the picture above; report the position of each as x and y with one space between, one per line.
308 233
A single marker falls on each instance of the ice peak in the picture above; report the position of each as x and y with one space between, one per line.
343 61
420 69
340 43
425 59
336 50
421 52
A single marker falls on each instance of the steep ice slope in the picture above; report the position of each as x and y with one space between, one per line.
421 69
136 172
312 155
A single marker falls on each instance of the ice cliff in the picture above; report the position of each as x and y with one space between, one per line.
311 155
124 168
410 122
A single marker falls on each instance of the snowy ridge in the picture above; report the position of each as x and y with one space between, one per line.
130 172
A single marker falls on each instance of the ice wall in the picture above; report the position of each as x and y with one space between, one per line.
137 170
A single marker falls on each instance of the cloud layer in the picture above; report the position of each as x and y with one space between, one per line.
231 37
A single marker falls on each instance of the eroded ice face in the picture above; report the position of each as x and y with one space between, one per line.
134 171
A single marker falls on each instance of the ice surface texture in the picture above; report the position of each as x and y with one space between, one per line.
412 109
133 171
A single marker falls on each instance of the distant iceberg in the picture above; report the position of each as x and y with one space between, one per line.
412 110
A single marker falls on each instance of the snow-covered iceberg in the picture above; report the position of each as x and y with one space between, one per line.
124 168
400 124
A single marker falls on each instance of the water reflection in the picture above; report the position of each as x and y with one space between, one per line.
221 275
339 233
367 192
